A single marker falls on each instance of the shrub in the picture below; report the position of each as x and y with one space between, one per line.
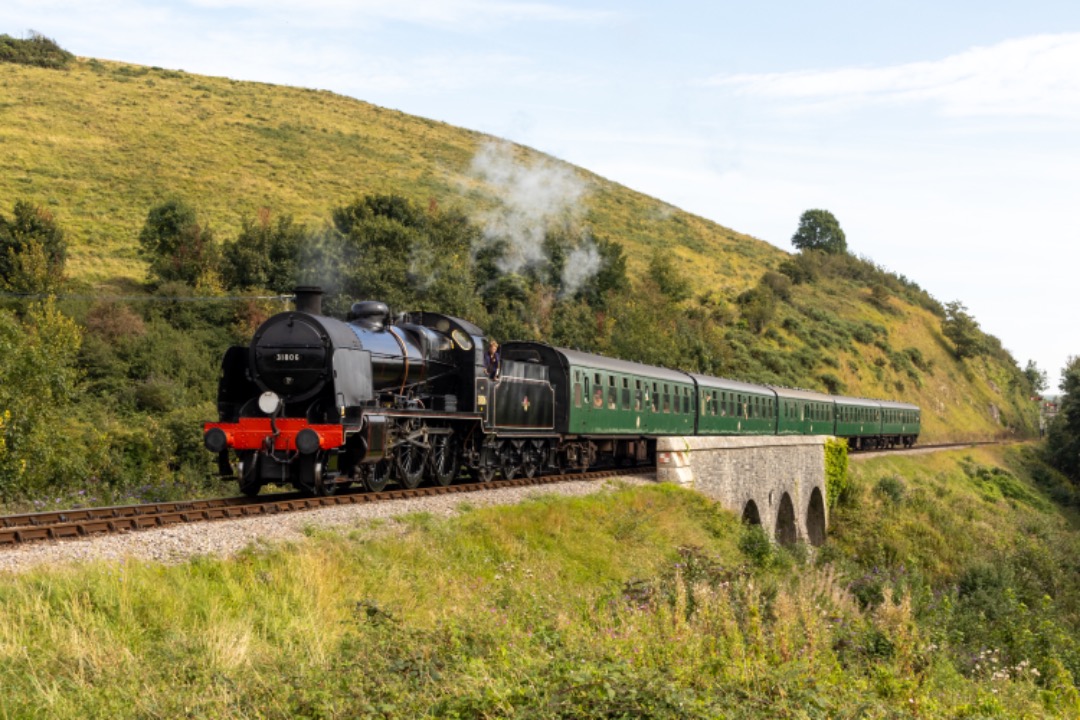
36 50
177 246
833 384
891 488
32 250
754 542
837 483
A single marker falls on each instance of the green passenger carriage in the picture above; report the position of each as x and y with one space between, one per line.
802 412
730 407
900 423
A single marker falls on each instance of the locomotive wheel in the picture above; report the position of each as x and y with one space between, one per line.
530 461
411 454
376 476
511 461
484 473
444 459
248 474
312 478
409 462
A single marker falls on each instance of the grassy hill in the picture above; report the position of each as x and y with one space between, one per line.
100 143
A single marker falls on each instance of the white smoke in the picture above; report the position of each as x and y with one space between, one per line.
583 262
532 199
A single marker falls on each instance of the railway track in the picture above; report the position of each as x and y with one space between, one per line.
921 448
89 522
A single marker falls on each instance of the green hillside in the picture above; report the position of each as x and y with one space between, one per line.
100 143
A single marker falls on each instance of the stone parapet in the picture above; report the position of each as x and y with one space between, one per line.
777 481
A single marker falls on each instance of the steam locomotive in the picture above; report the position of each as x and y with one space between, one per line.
319 404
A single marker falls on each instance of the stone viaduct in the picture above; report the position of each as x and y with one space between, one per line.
777 482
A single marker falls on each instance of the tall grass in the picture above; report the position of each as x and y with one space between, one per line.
638 603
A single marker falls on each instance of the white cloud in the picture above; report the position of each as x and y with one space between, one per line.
1031 76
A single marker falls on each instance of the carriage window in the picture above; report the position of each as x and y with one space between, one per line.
577 394
655 398
612 395
626 398
637 399
686 401
667 398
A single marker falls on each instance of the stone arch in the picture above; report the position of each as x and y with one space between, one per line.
750 514
815 519
786 531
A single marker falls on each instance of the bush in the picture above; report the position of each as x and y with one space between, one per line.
177 246
891 488
837 483
833 384
36 50
754 542
32 250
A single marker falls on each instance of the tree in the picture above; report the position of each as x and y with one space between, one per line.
177 246
39 380
819 230
32 250
1063 438
757 307
667 277
391 249
1035 376
962 329
264 255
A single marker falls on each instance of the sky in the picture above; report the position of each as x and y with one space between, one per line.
944 135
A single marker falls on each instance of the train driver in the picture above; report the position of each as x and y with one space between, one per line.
493 361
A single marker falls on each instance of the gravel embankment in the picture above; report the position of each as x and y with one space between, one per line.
178 543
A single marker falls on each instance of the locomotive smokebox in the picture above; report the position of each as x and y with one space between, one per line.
309 299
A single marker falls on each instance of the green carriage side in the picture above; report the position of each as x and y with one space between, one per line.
858 420
601 396
730 407
900 423
802 412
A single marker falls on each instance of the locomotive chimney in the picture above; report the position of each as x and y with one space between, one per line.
309 299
